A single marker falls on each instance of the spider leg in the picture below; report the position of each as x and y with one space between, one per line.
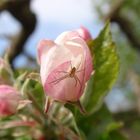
77 79
63 71
79 64
60 79
71 65
80 70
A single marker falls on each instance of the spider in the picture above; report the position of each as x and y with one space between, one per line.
70 74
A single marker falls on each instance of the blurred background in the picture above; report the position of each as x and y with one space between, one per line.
23 23
43 19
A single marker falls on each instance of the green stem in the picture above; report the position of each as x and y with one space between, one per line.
42 121
35 104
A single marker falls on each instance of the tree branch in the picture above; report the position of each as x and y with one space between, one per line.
20 9
124 23
126 27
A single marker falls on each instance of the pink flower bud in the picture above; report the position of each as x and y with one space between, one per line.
84 33
66 65
9 99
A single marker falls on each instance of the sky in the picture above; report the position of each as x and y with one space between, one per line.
65 11
55 17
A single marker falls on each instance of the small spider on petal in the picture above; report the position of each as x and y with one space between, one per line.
70 74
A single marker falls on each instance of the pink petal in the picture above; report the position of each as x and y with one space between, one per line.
84 33
88 64
6 89
69 51
63 90
4 109
9 99
56 56
86 52
43 47
75 38
65 36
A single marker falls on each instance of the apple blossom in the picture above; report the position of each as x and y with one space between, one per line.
84 33
65 66
9 99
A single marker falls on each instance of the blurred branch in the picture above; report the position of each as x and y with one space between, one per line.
30 58
128 118
131 117
126 27
135 82
114 9
123 22
20 9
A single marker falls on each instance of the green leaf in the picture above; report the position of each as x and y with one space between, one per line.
65 119
115 135
24 138
34 88
100 125
106 66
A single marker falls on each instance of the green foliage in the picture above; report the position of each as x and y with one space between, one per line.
64 120
24 138
106 66
100 126
34 89
98 123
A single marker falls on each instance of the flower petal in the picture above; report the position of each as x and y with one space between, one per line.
62 87
83 49
65 66
9 99
84 33
5 89
43 47
65 36
56 56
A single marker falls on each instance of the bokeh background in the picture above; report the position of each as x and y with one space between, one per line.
52 18
23 23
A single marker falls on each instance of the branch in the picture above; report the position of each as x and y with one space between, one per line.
126 27
114 9
124 23
20 9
